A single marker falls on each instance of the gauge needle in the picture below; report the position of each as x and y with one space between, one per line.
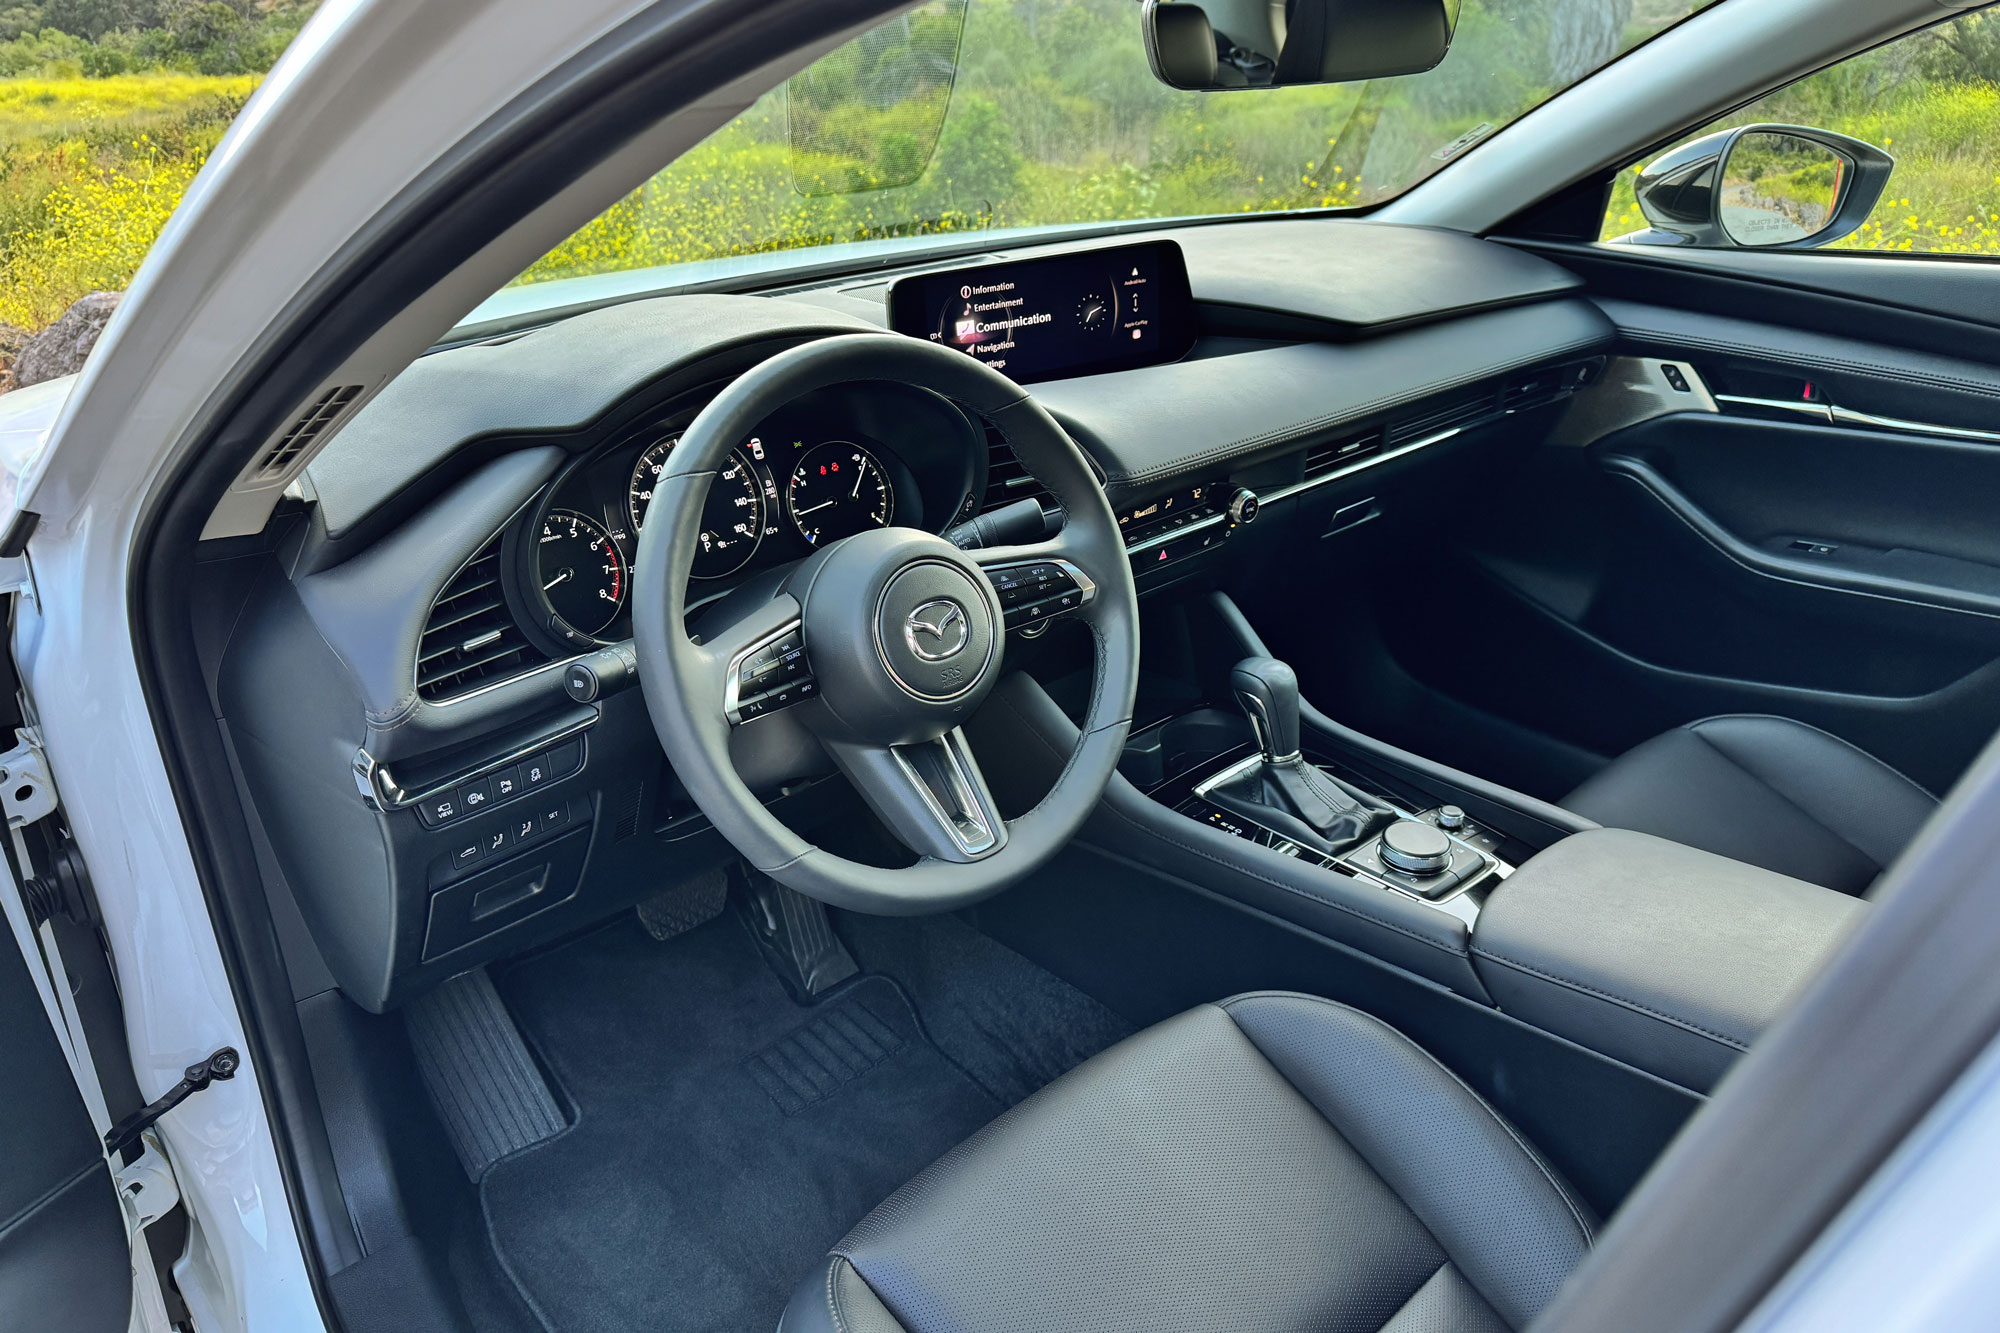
813 509
859 477
563 577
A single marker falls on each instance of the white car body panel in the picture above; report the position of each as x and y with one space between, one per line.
372 95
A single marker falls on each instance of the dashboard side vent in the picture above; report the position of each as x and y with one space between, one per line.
1453 415
312 423
470 638
1339 453
1007 480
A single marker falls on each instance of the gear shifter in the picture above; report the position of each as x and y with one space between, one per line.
1286 793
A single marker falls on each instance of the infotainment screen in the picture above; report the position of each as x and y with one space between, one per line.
1071 314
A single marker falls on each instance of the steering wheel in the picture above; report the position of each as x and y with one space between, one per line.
904 633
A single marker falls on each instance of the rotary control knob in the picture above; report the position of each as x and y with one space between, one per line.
1243 506
1415 849
1450 818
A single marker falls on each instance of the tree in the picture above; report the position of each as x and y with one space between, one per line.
1967 48
1583 35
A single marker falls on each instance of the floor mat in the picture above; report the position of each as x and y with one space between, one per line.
724 1138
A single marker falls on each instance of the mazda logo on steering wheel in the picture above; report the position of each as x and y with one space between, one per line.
936 630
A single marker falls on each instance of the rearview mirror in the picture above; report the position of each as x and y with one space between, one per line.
1763 187
1210 45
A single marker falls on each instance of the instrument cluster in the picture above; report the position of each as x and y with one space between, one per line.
830 465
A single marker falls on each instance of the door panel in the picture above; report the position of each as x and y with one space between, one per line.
63 1260
1756 559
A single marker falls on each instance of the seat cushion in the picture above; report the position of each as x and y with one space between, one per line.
1274 1162
1767 790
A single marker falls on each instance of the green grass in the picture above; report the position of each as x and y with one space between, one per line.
90 170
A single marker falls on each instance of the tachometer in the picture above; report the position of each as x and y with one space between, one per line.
732 519
581 573
837 490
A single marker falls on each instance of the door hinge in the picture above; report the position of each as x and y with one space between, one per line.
221 1065
26 794
146 1185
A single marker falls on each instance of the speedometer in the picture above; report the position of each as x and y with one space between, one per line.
732 518
837 490
582 575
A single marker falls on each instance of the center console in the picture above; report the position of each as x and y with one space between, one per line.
1278 798
1661 957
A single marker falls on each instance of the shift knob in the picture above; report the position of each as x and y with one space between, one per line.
1269 695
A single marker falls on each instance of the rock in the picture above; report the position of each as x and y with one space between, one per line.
60 348
12 339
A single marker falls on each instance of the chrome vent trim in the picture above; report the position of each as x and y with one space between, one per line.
470 639
1454 415
1337 454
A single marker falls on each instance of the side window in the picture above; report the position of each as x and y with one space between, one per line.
1896 149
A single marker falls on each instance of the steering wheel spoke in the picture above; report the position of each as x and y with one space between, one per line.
931 795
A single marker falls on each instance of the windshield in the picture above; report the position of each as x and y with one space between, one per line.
1050 117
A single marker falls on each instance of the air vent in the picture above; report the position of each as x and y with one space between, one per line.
470 638
1006 479
1457 414
312 423
1337 455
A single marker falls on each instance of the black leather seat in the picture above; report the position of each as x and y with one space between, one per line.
1766 790
1272 1162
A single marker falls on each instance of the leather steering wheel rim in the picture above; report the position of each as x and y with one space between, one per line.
682 679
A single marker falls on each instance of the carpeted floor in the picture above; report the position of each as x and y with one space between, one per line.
725 1136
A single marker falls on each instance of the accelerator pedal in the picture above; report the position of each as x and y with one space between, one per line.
795 935
488 1090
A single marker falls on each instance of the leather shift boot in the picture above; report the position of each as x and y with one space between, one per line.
1311 807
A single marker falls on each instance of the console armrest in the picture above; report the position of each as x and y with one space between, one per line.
1663 956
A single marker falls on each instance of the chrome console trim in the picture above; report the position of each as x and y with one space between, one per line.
381 791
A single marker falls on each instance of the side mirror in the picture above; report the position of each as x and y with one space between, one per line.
1761 187
1209 45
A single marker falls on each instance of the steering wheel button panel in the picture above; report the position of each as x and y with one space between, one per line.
767 676
1040 590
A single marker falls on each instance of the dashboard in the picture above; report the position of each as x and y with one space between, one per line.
826 466
399 669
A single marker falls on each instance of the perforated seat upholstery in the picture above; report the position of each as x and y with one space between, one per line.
1273 1162
1766 790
